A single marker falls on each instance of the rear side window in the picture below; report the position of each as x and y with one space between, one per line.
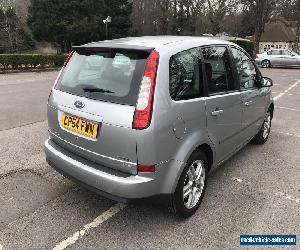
186 80
274 52
218 69
111 75
284 52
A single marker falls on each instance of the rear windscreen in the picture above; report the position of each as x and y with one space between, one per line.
111 75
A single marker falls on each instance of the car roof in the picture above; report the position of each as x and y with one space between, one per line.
153 42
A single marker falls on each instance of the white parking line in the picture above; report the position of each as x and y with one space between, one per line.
95 223
288 134
1 247
288 197
288 109
283 93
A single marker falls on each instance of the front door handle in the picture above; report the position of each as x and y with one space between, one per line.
217 112
248 103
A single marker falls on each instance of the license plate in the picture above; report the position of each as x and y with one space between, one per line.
80 126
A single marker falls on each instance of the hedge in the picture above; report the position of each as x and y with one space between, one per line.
248 46
30 61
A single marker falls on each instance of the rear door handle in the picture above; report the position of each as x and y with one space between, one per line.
248 103
217 112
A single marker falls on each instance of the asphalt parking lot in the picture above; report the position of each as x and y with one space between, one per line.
255 192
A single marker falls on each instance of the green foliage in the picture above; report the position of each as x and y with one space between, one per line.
29 61
13 36
248 46
75 22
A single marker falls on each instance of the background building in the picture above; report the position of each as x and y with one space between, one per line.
279 34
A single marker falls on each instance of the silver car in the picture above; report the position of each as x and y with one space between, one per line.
153 116
278 57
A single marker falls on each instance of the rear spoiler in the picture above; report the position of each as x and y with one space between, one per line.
112 46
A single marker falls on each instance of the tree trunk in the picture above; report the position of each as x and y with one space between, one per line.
257 37
298 37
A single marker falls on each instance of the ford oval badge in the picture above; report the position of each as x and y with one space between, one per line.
79 104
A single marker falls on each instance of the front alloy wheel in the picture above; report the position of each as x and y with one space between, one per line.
263 134
267 126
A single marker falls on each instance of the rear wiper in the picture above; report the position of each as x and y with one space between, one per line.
97 90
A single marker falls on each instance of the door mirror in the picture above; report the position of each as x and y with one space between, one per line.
266 82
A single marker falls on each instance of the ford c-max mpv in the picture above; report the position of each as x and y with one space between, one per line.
153 116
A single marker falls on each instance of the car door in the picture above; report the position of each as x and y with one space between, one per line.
223 104
253 97
292 58
274 57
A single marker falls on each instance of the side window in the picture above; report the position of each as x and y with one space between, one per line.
284 52
186 81
218 69
245 69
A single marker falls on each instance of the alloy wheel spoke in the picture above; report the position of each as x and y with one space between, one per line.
187 192
194 196
187 189
190 200
193 172
190 175
199 172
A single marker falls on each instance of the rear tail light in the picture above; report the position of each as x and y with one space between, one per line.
146 168
143 110
68 58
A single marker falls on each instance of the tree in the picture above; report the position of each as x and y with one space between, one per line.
74 22
261 12
8 25
217 10
286 9
298 27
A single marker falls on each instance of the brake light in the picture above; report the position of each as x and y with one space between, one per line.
143 110
146 168
68 58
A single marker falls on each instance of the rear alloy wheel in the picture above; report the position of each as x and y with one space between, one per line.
263 134
191 186
266 64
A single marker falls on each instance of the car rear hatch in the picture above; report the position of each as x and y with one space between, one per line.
92 105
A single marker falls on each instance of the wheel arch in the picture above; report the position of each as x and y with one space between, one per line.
207 150
206 146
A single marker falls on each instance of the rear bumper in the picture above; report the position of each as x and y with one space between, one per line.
111 183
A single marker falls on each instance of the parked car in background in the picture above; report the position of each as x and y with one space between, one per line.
153 116
278 57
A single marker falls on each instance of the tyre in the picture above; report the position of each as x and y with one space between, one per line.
191 186
266 64
263 134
